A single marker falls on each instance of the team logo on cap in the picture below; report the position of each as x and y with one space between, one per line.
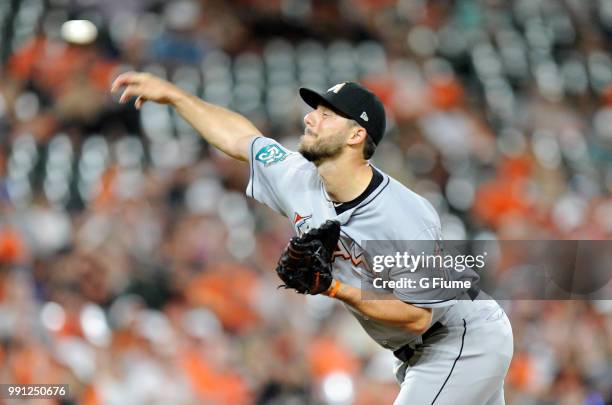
364 116
336 88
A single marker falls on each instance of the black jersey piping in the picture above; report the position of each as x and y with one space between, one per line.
368 197
377 193
454 363
253 166
369 200
428 302
377 180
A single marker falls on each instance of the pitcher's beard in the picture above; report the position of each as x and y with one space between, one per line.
319 150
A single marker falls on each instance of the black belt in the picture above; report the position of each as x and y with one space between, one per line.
405 352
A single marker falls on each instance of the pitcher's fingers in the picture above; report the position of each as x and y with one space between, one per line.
121 80
125 79
139 102
130 91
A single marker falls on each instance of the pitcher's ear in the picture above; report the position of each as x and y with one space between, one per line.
358 134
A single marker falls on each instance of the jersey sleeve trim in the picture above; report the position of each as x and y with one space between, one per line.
431 303
428 301
252 163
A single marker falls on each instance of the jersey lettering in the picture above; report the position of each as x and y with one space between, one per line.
352 252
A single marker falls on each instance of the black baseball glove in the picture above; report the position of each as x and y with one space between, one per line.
306 263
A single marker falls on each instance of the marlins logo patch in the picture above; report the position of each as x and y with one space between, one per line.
300 223
270 154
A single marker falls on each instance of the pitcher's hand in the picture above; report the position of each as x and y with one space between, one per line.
145 87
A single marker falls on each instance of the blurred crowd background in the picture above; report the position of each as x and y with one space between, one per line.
132 266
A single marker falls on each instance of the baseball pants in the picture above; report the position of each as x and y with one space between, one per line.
463 363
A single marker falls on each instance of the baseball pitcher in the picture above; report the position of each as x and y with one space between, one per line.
450 350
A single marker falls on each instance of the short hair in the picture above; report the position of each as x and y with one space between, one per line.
369 146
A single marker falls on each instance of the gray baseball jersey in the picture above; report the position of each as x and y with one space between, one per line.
289 184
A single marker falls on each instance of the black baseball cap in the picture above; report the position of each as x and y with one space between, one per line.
355 102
